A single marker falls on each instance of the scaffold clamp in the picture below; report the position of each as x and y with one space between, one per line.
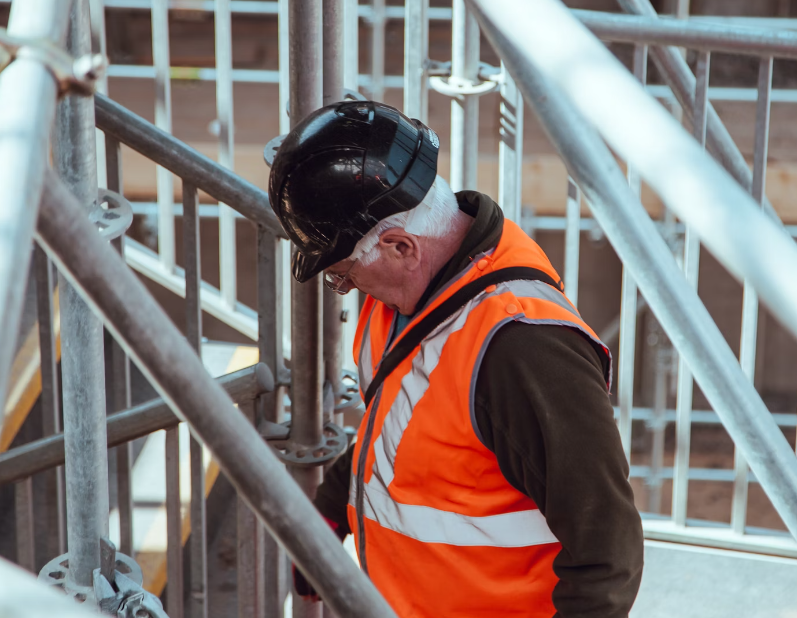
440 80
72 75
112 214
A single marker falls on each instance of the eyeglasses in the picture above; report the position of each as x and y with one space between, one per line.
335 282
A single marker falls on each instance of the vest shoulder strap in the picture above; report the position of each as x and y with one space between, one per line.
446 309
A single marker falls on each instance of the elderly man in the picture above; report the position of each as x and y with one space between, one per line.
488 477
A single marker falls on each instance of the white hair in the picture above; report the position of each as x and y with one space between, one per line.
432 218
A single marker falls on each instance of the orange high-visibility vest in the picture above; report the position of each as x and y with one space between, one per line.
438 528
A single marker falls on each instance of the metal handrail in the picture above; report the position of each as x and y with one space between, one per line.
33 457
180 159
155 344
621 28
518 39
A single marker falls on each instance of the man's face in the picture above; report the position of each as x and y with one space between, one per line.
390 278
372 279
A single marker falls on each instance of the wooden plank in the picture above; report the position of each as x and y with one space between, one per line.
26 380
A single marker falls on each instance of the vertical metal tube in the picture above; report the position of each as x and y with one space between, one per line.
628 299
378 50
572 240
627 354
285 127
120 376
50 402
27 108
333 73
124 452
284 64
163 120
658 422
510 148
174 526
306 323
226 125
270 324
82 362
333 52
747 351
416 53
99 46
249 555
351 45
351 81
23 507
465 108
683 415
198 551
166 249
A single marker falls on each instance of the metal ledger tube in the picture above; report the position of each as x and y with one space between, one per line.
141 420
651 30
185 162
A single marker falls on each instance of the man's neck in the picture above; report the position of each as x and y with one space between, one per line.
439 253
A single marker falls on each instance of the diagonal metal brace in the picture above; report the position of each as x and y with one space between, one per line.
73 75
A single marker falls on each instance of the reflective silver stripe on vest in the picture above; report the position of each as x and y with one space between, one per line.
416 382
429 525
413 386
541 291
365 365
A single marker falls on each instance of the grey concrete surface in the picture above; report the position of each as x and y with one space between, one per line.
693 582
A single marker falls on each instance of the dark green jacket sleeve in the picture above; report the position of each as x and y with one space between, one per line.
332 495
542 407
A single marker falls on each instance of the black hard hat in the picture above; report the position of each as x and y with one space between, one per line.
343 169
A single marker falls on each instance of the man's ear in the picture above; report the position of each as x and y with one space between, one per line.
402 245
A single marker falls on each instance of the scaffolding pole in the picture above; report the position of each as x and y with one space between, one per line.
333 74
82 340
226 126
163 120
307 370
416 55
510 149
27 109
464 107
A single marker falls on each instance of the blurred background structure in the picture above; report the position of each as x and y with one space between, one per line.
192 93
